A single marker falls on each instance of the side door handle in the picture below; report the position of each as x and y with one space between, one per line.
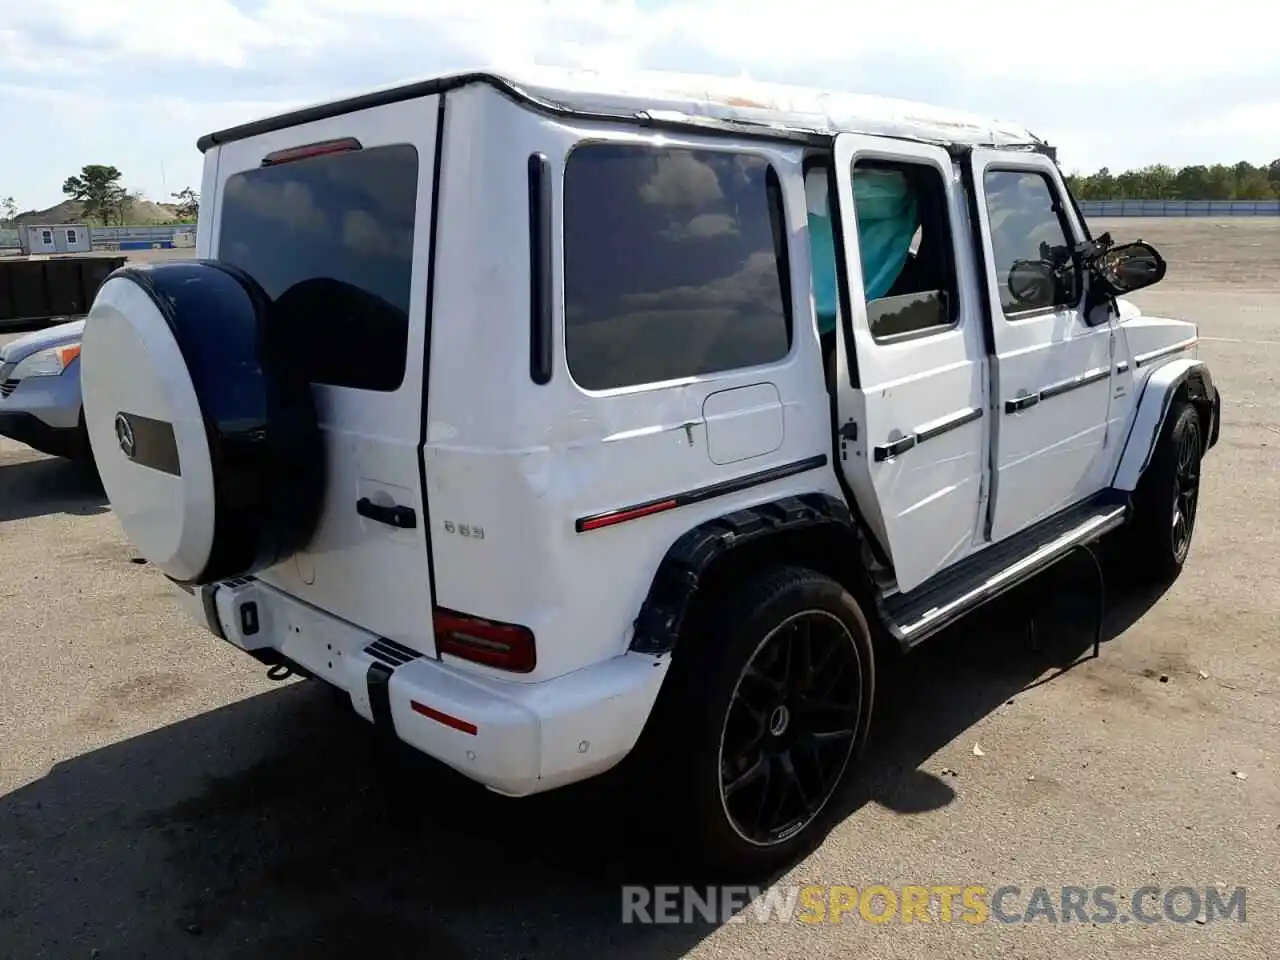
1021 403
394 516
887 451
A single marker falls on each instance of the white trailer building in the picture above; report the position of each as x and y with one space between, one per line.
56 238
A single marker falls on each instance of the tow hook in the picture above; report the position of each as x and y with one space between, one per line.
280 671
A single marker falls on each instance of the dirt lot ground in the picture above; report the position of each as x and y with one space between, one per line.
160 797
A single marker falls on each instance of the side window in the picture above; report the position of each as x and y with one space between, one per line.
675 264
46 236
1031 243
904 243
71 236
330 240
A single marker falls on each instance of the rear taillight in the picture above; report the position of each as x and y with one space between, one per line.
504 646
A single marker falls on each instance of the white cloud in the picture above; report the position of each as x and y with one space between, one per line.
152 28
1087 43
151 137
682 180
1246 120
1118 86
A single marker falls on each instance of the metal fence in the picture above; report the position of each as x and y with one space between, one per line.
127 238
123 238
1180 208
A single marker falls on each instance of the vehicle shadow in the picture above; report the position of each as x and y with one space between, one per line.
1023 640
41 485
280 826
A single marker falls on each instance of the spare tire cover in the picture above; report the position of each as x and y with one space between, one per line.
201 424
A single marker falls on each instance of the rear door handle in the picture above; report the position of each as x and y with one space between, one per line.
1021 403
394 516
887 451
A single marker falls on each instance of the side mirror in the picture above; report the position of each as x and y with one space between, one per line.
1031 282
1129 267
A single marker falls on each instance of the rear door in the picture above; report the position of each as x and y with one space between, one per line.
1053 368
912 415
332 219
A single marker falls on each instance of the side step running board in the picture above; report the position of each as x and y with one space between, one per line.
914 616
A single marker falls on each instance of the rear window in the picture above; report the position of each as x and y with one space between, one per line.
330 240
675 264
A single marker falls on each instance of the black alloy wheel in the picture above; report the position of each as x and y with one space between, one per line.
792 724
1186 487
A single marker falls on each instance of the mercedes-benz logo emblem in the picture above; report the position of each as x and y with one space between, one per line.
124 434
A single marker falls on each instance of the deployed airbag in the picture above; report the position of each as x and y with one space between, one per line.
887 217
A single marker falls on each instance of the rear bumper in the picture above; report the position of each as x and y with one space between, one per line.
515 738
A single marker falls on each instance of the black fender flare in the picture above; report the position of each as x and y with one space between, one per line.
1175 378
683 569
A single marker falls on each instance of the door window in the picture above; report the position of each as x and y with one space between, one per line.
904 242
904 247
1031 243
330 240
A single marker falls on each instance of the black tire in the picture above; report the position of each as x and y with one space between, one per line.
713 705
1167 498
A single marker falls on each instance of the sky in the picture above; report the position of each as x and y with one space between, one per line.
134 83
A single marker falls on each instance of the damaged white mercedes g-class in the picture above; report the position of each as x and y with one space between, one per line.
551 416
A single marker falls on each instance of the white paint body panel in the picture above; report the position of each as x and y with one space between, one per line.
1149 413
743 423
529 737
924 502
1053 454
358 569
529 459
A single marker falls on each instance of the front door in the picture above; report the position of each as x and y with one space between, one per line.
332 219
911 394
1051 378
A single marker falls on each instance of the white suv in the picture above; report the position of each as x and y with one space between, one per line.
540 413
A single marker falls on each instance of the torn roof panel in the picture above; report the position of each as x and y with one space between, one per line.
742 99
681 97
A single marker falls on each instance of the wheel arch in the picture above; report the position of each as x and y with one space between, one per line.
1186 380
813 530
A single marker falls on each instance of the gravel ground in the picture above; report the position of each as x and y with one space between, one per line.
160 797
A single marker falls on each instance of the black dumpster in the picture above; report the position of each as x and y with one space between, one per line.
32 291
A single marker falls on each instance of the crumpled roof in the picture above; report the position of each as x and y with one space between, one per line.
770 104
686 99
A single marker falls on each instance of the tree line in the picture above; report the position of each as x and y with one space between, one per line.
104 200
1243 181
